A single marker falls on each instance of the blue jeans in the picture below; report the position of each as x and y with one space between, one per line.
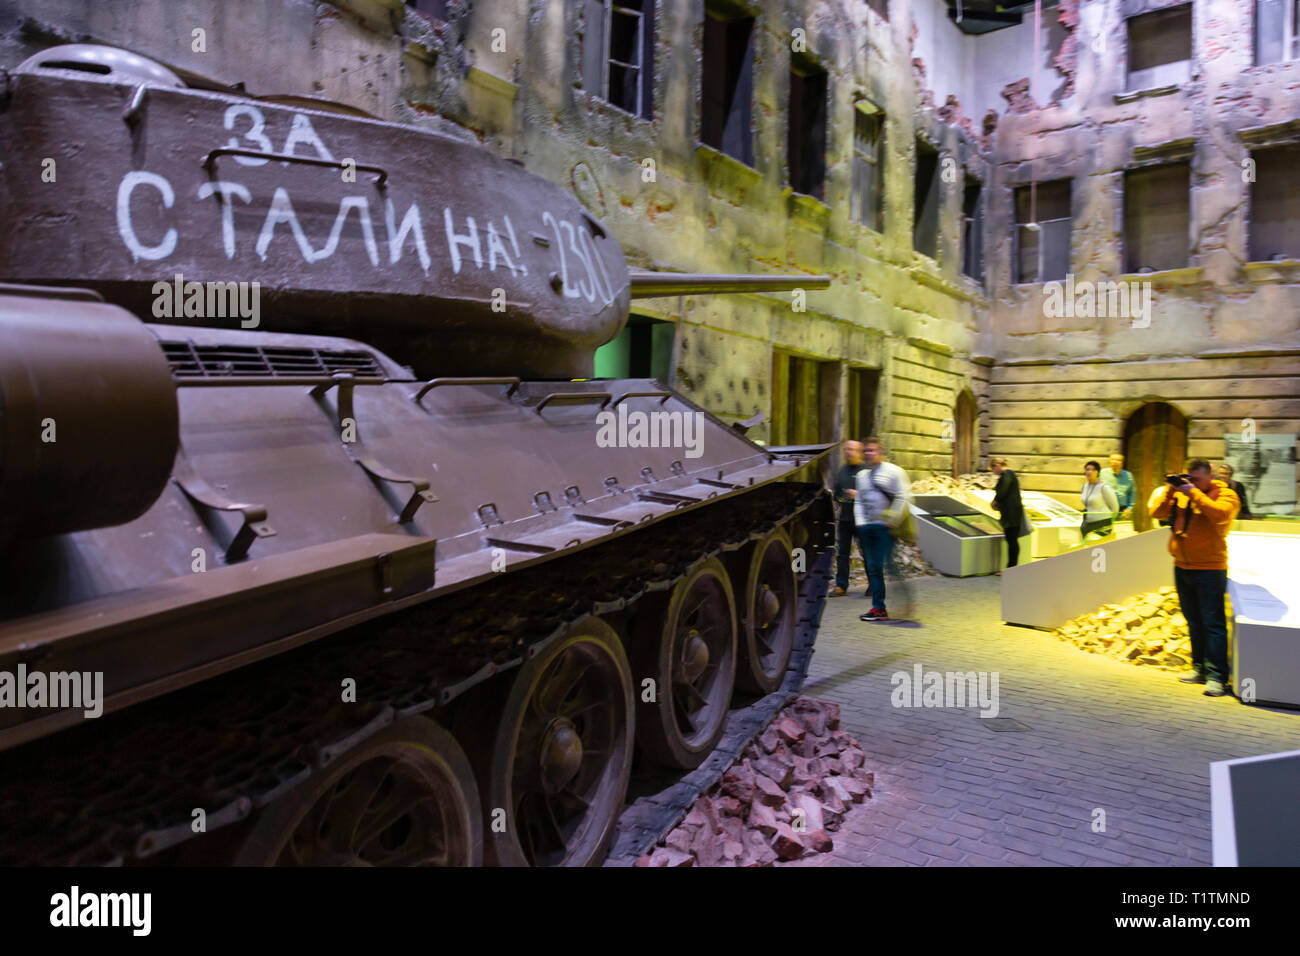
1200 594
878 550
844 552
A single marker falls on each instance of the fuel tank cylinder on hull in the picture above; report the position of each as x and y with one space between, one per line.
451 259
88 416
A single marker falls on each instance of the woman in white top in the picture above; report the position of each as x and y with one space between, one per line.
1100 506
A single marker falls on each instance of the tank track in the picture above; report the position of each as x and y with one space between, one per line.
122 790
649 819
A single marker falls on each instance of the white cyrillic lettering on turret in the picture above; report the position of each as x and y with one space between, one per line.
302 132
224 191
397 235
256 132
514 244
599 275
495 245
585 287
125 227
362 206
455 240
282 211
569 291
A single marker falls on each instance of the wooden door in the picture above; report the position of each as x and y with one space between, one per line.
863 386
805 400
1155 445
963 437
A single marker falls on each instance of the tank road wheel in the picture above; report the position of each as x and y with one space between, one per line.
404 797
554 751
690 651
771 597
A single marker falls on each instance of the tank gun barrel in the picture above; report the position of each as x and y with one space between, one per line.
649 284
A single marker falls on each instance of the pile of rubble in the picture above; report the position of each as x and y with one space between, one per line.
908 557
911 562
1147 629
962 488
943 484
788 792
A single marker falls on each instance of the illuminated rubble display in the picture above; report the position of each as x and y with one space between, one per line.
1147 629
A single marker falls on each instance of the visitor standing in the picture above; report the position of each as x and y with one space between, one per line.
1225 474
846 485
1120 482
1099 503
1201 509
881 505
1010 509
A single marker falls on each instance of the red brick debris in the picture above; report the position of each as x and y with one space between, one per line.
789 791
1017 96
1067 58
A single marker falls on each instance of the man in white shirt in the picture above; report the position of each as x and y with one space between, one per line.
882 495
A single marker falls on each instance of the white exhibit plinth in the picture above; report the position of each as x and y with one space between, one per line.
1264 586
1050 592
959 540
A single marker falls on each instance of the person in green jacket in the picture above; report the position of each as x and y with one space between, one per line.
1120 482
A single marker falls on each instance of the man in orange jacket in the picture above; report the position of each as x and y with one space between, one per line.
1202 509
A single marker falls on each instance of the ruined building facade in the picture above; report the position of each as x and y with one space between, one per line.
941 173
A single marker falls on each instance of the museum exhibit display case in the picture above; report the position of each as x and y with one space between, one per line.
1056 525
959 540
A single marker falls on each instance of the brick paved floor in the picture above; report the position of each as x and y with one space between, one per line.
1102 734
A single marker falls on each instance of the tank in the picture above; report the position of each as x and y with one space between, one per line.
320 543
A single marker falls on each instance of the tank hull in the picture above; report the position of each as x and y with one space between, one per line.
521 473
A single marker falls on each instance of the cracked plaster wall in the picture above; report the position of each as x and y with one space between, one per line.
1223 343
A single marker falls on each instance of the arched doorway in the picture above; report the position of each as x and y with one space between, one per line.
964 446
1155 445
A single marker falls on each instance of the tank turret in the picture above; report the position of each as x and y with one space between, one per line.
198 207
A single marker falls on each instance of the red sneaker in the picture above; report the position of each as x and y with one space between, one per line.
875 614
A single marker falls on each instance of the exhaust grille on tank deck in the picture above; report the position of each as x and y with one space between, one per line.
190 361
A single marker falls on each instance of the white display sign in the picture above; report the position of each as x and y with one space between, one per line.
1266 466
